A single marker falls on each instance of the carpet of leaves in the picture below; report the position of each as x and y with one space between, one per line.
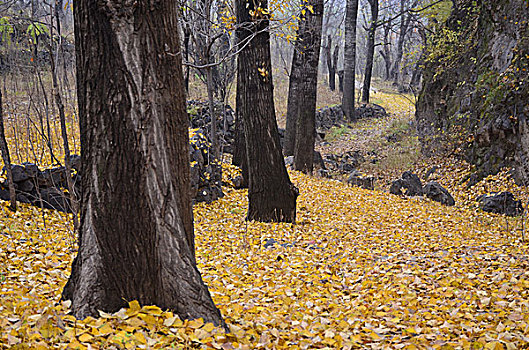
361 269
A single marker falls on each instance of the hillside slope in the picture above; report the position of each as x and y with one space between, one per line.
475 96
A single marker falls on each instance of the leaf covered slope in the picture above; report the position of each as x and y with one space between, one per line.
361 269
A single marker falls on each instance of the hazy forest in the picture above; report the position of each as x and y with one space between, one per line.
272 174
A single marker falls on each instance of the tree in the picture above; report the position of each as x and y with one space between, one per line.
7 160
304 76
370 50
271 195
403 31
332 62
136 237
351 13
385 52
310 39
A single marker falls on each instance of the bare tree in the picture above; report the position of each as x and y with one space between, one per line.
7 159
349 79
271 195
370 50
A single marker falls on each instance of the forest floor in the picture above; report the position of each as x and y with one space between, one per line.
360 269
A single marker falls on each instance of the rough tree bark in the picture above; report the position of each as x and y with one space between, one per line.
7 160
351 13
370 49
136 236
310 38
239 148
271 195
293 104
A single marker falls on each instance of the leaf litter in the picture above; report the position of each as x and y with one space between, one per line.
361 269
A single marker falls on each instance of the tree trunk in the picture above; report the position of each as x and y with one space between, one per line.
310 39
239 148
136 236
7 160
370 51
403 30
271 195
351 13
332 61
417 71
386 50
293 104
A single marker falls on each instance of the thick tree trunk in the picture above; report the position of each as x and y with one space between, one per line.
310 39
370 49
271 195
351 13
7 160
136 237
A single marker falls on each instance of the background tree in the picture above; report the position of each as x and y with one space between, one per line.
310 39
7 160
136 237
271 195
349 79
370 50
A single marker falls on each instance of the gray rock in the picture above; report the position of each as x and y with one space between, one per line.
19 173
501 203
410 182
438 193
318 161
367 182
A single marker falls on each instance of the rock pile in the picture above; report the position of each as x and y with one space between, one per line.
44 189
206 184
412 186
344 163
200 118
47 188
327 117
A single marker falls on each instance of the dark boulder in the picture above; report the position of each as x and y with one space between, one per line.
55 177
53 198
501 203
410 182
438 193
32 170
367 182
25 186
318 161
4 193
19 173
